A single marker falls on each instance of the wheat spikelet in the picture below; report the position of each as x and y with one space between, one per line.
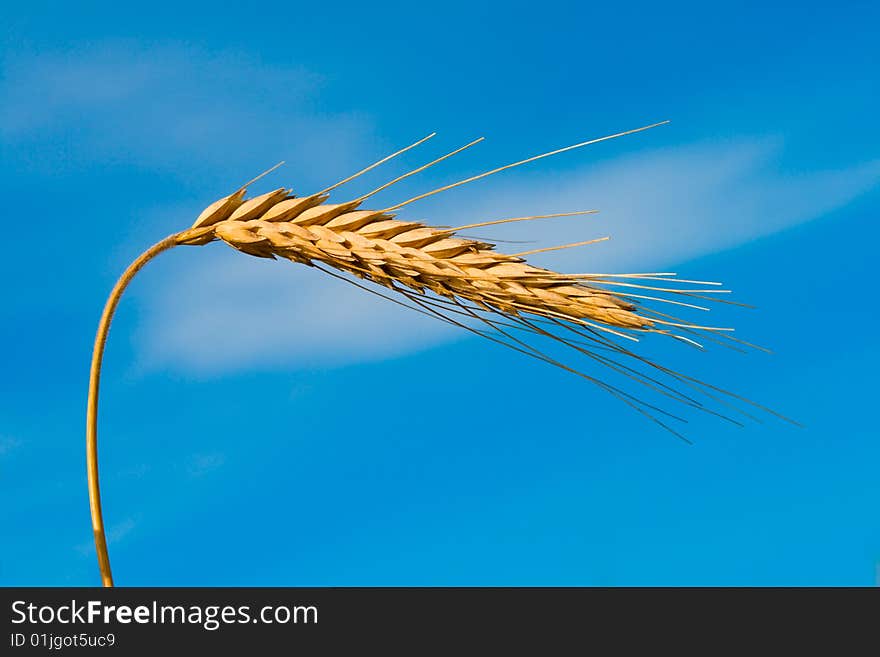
454 278
373 245
461 280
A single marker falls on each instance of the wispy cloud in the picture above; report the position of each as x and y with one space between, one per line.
667 206
202 464
274 315
224 312
7 444
115 533
184 110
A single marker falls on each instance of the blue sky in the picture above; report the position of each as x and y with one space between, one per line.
264 425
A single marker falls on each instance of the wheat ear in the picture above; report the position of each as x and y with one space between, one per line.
460 280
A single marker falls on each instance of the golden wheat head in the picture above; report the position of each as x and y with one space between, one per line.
438 271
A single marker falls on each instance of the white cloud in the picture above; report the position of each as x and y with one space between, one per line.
7 444
202 464
114 534
173 108
231 312
664 207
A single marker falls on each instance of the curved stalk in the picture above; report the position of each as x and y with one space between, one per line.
92 408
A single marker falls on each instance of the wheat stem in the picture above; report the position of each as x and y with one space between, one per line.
92 408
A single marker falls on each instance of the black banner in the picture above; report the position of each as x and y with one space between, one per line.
326 620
